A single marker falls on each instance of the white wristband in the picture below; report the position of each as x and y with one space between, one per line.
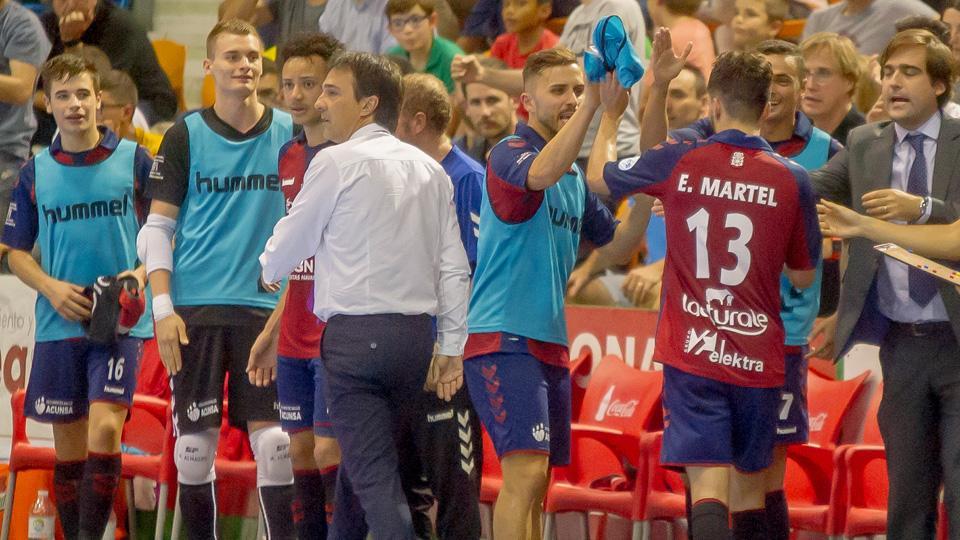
162 307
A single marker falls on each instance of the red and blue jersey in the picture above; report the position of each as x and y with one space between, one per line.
467 176
527 248
736 212
811 148
300 329
85 210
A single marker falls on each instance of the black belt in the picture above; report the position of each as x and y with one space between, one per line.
920 329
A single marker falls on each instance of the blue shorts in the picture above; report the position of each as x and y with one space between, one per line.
712 423
523 403
793 422
67 375
300 389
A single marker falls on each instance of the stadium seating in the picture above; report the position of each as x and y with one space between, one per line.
148 417
173 59
607 471
813 483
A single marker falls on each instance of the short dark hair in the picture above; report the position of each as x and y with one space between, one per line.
120 86
540 61
919 22
741 81
402 62
96 56
310 44
374 75
65 67
940 64
236 27
403 6
783 48
683 7
699 82
422 92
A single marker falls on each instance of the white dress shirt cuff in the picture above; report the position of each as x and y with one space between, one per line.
451 343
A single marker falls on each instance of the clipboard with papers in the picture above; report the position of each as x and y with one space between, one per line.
931 267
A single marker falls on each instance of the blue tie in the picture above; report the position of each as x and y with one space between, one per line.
923 286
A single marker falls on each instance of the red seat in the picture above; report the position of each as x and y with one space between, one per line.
146 422
620 405
814 477
580 370
666 494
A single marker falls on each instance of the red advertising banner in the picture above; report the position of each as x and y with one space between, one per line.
627 333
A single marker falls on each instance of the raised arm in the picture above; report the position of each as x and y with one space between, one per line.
664 67
467 69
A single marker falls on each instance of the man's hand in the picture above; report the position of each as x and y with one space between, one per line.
613 96
75 21
68 299
579 278
445 375
466 69
642 281
664 63
836 220
268 287
892 205
827 327
171 334
140 274
262 365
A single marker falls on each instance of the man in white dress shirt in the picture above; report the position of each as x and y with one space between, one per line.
378 216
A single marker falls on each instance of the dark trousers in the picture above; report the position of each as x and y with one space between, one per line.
376 366
920 422
441 459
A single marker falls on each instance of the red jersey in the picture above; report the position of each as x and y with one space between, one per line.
300 329
735 214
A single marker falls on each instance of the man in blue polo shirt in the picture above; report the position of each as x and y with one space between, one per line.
81 199
534 209
455 477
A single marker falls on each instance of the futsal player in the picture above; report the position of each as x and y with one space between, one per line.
79 199
216 191
737 215
534 208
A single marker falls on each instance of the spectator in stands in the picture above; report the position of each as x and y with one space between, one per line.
756 21
23 49
359 25
293 16
75 23
268 89
679 17
577 36
687 99
412 24
951 16
525 21
865 22
833 69
490 112
118 101
484 23
914 319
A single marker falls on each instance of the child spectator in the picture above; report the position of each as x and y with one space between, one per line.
118 103
679 17
413 24
756 21
525 22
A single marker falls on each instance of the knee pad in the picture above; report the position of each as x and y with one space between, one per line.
193 454
271 449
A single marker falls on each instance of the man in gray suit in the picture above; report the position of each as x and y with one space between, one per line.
906 171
